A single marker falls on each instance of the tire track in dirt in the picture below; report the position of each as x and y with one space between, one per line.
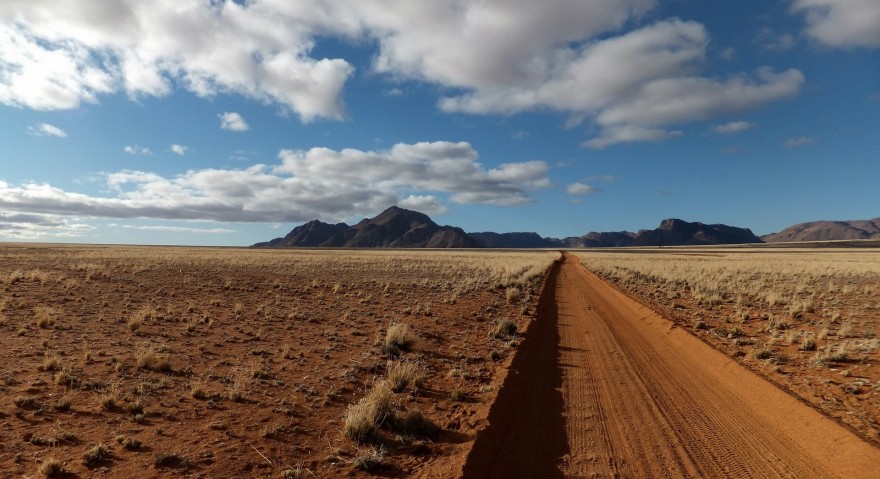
604 387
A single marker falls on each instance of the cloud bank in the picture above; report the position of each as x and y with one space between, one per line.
316 183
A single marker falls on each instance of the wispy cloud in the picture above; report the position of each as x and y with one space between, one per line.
233 121
175 229
137 150
581 189
799 141
732 127
45 129
179 149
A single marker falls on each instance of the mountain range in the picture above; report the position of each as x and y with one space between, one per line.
400 228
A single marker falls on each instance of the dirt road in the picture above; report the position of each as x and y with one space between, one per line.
604 387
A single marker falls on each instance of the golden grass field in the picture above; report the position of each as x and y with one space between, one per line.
219 362
807 319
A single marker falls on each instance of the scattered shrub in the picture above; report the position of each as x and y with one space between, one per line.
503 328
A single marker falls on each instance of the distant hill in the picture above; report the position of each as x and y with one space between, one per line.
514 240
393 228
671 232
827 231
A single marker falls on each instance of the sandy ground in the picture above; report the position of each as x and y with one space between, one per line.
607 388
256 357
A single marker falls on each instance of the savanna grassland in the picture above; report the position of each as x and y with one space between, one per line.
211 362
806 319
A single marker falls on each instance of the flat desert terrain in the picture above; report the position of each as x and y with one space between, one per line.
212 362
207 362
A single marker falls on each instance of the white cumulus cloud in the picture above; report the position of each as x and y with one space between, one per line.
233 121
179 149
842 23
59 54
45 129
591 61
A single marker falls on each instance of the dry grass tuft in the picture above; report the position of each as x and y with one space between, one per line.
362 420
52 467
398 338
149 357
404 374
96 455
503 329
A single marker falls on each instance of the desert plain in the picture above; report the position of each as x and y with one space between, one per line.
126 361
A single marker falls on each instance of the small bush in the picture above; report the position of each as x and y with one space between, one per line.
808 344
128 443
97 454
52 467
762 353
63 404
503 329
512 294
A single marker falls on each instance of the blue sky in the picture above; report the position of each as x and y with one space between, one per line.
221 123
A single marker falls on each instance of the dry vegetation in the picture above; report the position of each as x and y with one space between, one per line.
252 363
807 319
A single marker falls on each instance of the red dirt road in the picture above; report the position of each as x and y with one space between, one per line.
604 387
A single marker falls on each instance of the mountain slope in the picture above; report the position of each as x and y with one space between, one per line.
827 231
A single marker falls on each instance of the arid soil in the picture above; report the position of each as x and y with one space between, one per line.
807 320
602 386
210 362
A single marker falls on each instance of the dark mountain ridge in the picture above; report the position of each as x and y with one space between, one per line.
400 228
393 228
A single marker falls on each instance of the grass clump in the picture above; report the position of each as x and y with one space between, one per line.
403 374
362 420
128 443
503 329
44 317
52 467
398 338
96 455
150 358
